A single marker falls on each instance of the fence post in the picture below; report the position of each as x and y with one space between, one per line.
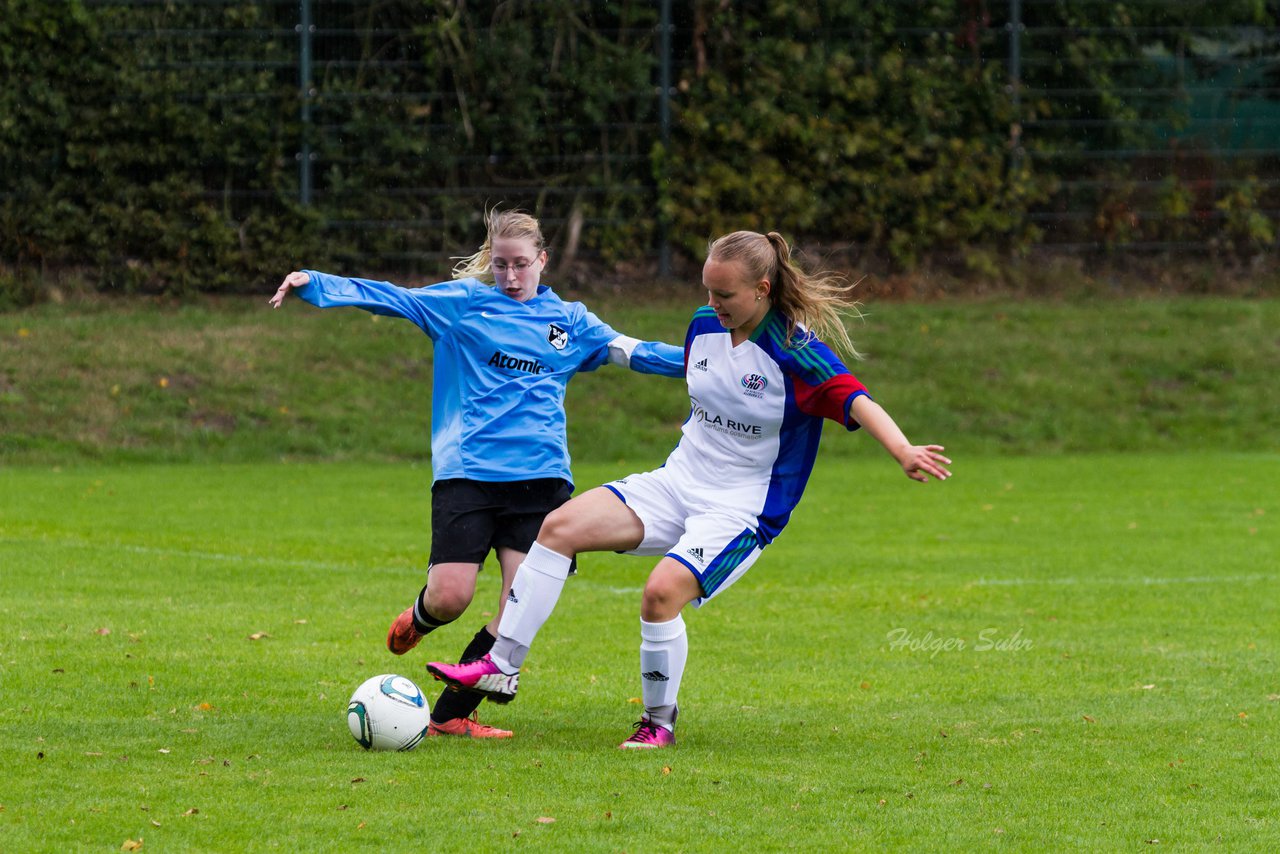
664 121
1015 82
305 32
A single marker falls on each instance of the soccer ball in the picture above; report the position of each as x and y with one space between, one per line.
388 712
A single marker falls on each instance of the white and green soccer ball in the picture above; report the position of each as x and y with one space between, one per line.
388 712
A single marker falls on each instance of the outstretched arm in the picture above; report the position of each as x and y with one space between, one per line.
433 308
647 357
917 461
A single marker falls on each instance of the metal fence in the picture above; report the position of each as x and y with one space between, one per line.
1190 127
1195 126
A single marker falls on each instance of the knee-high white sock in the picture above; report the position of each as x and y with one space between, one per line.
533 597
664 649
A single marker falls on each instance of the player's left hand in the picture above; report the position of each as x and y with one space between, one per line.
921 461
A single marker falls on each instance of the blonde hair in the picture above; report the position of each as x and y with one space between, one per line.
514 225
818 302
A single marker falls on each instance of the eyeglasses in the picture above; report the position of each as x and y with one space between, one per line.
518 267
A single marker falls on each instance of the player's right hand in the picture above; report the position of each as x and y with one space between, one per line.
296 279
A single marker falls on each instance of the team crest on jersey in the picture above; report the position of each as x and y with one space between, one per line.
557 337
753 385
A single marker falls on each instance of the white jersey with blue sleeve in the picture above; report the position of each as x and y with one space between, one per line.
501 368
746 450
756 413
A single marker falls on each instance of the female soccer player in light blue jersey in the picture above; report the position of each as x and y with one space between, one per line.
761 381
503 356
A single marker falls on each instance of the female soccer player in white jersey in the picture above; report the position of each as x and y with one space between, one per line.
760 382
503 355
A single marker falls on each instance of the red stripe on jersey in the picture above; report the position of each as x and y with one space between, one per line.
828 399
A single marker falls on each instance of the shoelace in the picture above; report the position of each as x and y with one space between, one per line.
644 731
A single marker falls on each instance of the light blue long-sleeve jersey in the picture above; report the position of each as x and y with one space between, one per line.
501 367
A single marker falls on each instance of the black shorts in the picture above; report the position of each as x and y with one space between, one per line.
471 517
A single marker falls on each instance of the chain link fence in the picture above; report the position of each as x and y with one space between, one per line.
1147 135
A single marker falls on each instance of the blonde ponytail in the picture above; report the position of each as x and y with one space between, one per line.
818 302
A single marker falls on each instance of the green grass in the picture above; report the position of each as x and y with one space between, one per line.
1139 700
230 380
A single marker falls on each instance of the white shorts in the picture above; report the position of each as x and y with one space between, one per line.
718 543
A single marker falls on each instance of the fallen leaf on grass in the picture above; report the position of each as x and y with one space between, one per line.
163 750
666 769
1088 719
192 811
103 631
1147 687
258 636
635 701
546 819
131 845
959 781
357 779
205 707
155 823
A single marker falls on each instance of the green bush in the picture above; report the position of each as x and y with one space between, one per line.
788 127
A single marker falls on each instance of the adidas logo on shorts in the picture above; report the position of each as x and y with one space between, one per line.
695 553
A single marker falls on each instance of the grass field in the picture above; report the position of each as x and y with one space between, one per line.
1045 652
209 512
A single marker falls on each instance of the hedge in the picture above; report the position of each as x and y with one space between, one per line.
156 145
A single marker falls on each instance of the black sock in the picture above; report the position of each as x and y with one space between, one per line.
459 704
423 622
